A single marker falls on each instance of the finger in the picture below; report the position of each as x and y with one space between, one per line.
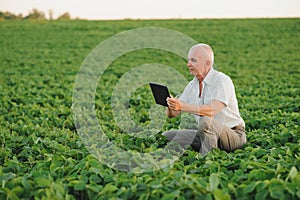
173 100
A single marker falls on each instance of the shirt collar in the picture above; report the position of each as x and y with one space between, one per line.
209 77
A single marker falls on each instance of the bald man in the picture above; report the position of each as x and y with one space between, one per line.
211 98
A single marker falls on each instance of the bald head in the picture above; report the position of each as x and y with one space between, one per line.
203 51
200 60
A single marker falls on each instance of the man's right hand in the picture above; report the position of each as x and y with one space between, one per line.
171 112
174 104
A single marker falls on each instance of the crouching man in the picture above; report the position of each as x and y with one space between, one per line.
211 97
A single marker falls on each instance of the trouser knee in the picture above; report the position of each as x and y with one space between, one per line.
204 124
169 134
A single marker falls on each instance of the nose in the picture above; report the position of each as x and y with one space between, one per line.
189 64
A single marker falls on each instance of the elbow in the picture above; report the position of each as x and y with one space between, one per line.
212 113
213 109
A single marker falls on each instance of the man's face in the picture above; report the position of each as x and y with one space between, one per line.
195 63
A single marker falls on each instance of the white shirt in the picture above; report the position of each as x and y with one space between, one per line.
216 86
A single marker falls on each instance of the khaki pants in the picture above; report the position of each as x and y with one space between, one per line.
210 134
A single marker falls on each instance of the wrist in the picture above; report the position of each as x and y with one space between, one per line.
180 106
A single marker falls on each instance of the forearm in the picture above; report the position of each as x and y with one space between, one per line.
175 107
201 110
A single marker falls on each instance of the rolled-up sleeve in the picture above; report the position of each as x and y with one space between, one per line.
223 90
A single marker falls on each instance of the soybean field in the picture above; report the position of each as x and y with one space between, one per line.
42 155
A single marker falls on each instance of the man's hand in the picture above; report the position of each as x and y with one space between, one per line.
174 104
174 107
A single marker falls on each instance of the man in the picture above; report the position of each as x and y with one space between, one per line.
211 98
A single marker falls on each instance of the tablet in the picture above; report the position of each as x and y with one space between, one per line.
160 93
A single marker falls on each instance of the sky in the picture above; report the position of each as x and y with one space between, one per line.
157 9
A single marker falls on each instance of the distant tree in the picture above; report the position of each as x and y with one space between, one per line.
8 16
65 16
50 13
36 15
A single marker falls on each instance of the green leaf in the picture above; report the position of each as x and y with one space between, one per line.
276 189
256 174
109 188
59 188
172 195
7 176
42 182
249 188
221 195
12 195
95 178
213 181
292 188
298 194
95 170
25 183
207 197
94 187
80 185
262 194
293 172
231 188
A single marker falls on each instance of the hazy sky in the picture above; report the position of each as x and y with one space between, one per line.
144 9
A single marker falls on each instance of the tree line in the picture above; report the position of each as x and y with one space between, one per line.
34 14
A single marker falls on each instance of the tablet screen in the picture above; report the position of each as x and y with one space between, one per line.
160 93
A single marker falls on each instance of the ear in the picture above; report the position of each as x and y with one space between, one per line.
208 63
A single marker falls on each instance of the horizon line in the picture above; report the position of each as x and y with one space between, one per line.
155 18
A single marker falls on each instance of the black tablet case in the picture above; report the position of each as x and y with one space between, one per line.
160 93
